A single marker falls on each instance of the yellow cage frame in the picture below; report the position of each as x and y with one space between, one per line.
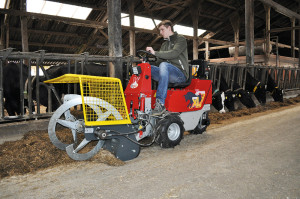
102 99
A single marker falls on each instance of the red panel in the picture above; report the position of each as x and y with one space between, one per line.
138 84
191 98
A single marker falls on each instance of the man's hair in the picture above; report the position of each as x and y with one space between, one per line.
166 23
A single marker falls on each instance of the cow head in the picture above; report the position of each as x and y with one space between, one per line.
245 98
217 101
229 100
260 93
272 87
277 94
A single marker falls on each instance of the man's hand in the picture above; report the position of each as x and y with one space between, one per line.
150 49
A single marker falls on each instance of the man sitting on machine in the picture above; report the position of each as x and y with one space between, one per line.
172 61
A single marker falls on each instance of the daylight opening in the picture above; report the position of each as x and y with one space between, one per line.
58 9
147 23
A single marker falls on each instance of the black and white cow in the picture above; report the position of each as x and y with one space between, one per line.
229 97
244 96
218 98
61 89
11 87
255 86
275 92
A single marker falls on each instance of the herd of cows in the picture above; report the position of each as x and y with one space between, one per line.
224 96
11 85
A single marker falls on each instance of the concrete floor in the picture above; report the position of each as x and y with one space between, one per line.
255 157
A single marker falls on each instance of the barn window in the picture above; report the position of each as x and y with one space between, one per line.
147 23
2 3
58 9
185 30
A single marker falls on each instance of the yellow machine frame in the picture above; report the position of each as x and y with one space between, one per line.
102 98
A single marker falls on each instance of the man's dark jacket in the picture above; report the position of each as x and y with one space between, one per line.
174 51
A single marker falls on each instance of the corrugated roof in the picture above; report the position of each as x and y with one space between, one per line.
214 16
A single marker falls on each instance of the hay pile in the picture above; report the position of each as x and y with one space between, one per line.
35 151
216 118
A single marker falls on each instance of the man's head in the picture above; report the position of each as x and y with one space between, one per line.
166 28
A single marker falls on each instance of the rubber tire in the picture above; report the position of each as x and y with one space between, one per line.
200 128
162 129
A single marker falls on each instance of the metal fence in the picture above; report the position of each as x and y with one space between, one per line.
41 59
286 78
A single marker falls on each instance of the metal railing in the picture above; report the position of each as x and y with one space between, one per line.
40 59
286 78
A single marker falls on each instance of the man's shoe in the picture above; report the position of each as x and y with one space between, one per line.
158 109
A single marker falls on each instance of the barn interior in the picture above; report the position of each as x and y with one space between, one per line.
262 32
241 32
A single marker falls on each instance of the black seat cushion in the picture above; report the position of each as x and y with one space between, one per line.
183 84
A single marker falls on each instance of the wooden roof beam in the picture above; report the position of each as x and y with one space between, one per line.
222 4
66 34
218 42
45 45
212 17
284 29
173 5
75 22
70 21
150 13
281 9
55 45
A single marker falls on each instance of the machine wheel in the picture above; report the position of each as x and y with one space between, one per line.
170 131
66 126
202 125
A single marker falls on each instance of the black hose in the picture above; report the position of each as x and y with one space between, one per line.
134 132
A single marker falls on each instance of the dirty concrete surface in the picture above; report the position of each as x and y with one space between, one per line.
254 157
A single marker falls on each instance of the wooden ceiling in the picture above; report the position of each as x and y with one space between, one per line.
63 35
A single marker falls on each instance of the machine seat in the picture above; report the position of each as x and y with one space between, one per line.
183 84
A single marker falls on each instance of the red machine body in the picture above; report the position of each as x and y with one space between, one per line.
190 98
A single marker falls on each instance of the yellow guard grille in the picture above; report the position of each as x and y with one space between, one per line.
102 98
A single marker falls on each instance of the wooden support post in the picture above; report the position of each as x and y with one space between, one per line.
24 29
6 23
268 34
195 39
235 22
2 39
194 8
293 22
249 31
131 5
206 50
24 34
115 37
7 35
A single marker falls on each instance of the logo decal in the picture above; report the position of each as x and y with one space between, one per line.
135 84
195 99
